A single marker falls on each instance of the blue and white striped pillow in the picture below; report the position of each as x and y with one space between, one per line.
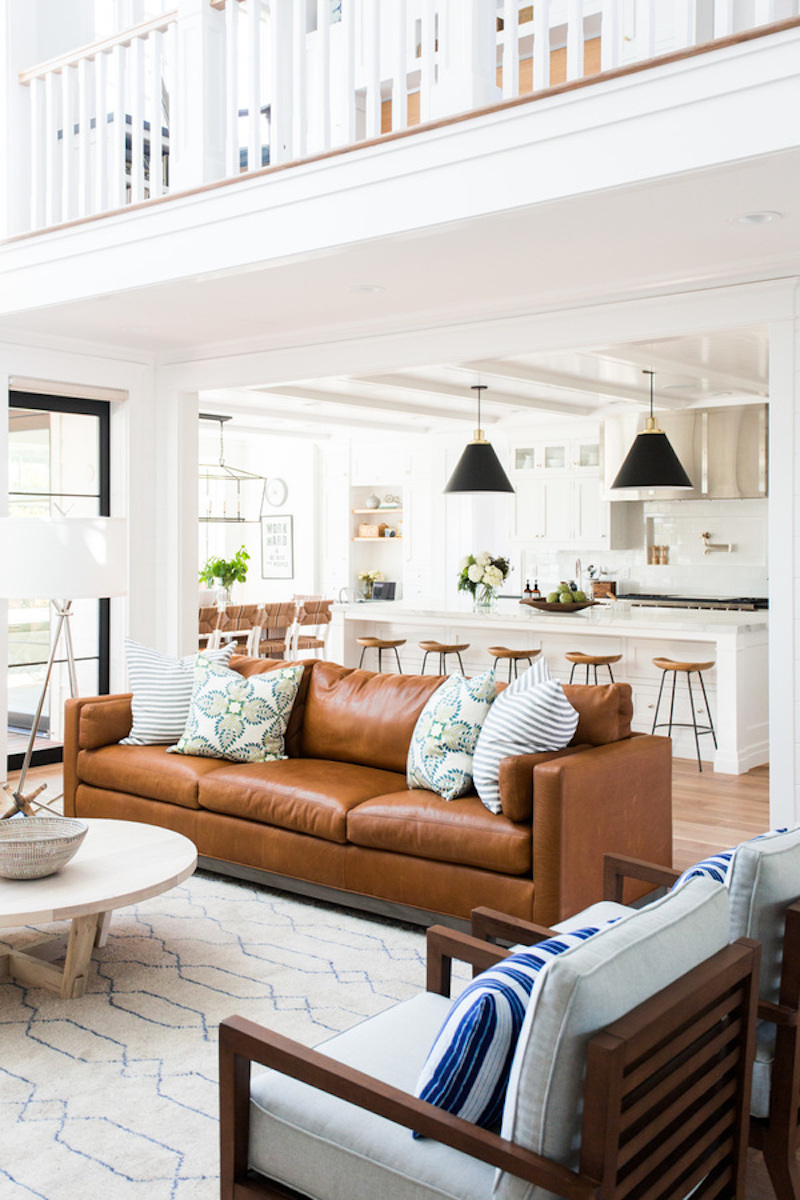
466 1071
532 714
717 866
162 691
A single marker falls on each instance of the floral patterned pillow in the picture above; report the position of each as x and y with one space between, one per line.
444 737
236 718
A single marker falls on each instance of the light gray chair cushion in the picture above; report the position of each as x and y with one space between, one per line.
581 992
325 1147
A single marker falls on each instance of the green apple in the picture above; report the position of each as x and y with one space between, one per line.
553 598
566 597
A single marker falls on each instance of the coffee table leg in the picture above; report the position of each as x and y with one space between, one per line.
82 937
103 922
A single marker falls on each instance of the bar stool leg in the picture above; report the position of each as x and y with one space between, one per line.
595 673
442 664
610 672
460 663
658 701
572 672
510 665
708 710
363 652
694 719
672 702
530 662
397 656
587 674
424 660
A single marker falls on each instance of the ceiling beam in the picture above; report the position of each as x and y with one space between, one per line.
721 380
434 387
249 412
573 384
373 402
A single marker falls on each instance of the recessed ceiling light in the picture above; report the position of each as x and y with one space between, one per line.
367 287
757 218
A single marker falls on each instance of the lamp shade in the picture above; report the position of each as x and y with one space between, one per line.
71 558
650 463
479 470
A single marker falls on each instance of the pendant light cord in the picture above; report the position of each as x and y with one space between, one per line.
479 387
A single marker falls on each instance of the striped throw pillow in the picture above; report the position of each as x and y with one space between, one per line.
162 691
717 866
531 715
467 1069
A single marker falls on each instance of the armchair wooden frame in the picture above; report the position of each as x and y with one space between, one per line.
666 1093
778 1135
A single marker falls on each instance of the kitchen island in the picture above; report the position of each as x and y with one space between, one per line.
735 641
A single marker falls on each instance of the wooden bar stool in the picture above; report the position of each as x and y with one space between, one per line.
443 649
688 669
591 660
513 657
381 644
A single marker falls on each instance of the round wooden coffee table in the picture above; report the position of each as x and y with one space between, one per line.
118 863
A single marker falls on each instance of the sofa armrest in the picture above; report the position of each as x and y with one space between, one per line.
619 867
90 722
615 798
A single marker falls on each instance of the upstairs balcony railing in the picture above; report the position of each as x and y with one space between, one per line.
216 89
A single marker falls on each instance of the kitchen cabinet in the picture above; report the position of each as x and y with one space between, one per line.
558 493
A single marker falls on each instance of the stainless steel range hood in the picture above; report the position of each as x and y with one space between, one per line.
723 450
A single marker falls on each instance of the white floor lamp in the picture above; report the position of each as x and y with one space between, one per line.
75 558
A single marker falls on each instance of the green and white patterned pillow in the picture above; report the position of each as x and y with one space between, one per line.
444 737
236 718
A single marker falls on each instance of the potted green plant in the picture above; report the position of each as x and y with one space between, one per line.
224 573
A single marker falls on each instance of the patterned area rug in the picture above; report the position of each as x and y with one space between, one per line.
115 1094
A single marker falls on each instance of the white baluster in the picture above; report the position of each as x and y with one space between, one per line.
723 18
280 126
68 172
324 46
299 74
38 153
685 22
138 110
100 179
574 39
541 45
232 88
400 67
610 36
85 81
348 98
510 42
52 147
372 50
254 85
116 159
427 75
646 29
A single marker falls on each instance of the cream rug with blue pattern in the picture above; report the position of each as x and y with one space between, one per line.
115 1094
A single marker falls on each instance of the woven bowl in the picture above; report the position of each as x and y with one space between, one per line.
547 606
32 847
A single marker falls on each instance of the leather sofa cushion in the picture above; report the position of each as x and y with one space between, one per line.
462 831
146 771
605 712
360 717
104 720
307 795
257 666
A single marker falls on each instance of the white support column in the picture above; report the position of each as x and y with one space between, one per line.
467 56
4 389
574 39
784 570
197 111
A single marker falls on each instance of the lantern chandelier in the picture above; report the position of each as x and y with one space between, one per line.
228 494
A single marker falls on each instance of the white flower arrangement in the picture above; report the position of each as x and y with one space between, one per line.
481 574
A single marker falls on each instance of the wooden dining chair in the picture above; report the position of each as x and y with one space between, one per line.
310 633
271 637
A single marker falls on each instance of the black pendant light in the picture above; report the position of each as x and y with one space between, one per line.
478 469
651 461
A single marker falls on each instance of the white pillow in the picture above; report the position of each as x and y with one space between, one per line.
531 715
444 737
162 691
236 718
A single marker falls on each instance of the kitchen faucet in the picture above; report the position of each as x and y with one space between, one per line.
578 574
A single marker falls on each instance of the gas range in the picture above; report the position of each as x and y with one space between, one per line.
741 603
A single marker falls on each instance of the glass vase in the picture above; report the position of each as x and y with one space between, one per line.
484 599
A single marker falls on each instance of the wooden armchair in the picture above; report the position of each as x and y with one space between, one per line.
651 1075
764 882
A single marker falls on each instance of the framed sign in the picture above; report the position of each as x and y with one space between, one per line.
277 548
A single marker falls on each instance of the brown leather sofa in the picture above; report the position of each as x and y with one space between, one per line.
336 820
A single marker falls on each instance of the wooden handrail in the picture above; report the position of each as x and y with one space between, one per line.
154 25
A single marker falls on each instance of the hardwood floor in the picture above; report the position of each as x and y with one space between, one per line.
709 812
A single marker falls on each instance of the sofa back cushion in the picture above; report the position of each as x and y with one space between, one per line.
360 717
604 711
256 666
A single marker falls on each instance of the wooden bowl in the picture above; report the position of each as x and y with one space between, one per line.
546 606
